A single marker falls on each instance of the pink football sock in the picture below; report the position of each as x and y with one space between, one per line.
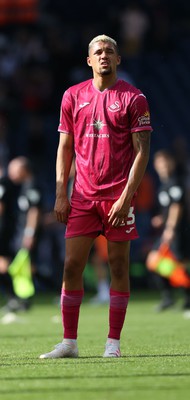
70 306
117 311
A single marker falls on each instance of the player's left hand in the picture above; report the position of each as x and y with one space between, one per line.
118 213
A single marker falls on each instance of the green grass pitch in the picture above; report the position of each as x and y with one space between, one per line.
155 362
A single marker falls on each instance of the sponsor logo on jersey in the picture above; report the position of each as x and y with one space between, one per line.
98 135
84 104
98 124
114 107
144 119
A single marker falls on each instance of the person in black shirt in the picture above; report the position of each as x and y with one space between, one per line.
170 223
28 209
29 204
7 226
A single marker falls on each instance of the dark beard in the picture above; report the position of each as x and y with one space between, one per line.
106 72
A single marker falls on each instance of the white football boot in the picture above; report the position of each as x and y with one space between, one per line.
112 348
66 349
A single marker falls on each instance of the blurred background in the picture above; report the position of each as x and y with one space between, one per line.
43 49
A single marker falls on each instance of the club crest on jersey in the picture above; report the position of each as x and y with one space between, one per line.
114 107
144 119
86 103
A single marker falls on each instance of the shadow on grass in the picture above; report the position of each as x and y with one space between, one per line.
93 389
70 377
84 360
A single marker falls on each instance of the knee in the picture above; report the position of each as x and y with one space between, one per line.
72 269
119 268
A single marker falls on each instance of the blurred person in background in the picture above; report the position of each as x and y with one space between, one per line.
7 226
105 122
99 260
181 152
170 224
145 204
134 24
28 208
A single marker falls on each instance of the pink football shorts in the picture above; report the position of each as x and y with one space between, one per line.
90 218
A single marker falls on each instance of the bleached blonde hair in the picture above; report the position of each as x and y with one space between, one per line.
103 38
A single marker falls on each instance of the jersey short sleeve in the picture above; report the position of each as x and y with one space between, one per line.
139 114
66 120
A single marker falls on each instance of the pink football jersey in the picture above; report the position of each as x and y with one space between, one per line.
102 124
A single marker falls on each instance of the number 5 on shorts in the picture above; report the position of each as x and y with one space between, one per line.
131 216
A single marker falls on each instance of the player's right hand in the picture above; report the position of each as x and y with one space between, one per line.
61 209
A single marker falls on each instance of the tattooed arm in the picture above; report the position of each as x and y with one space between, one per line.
120 209
141 144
